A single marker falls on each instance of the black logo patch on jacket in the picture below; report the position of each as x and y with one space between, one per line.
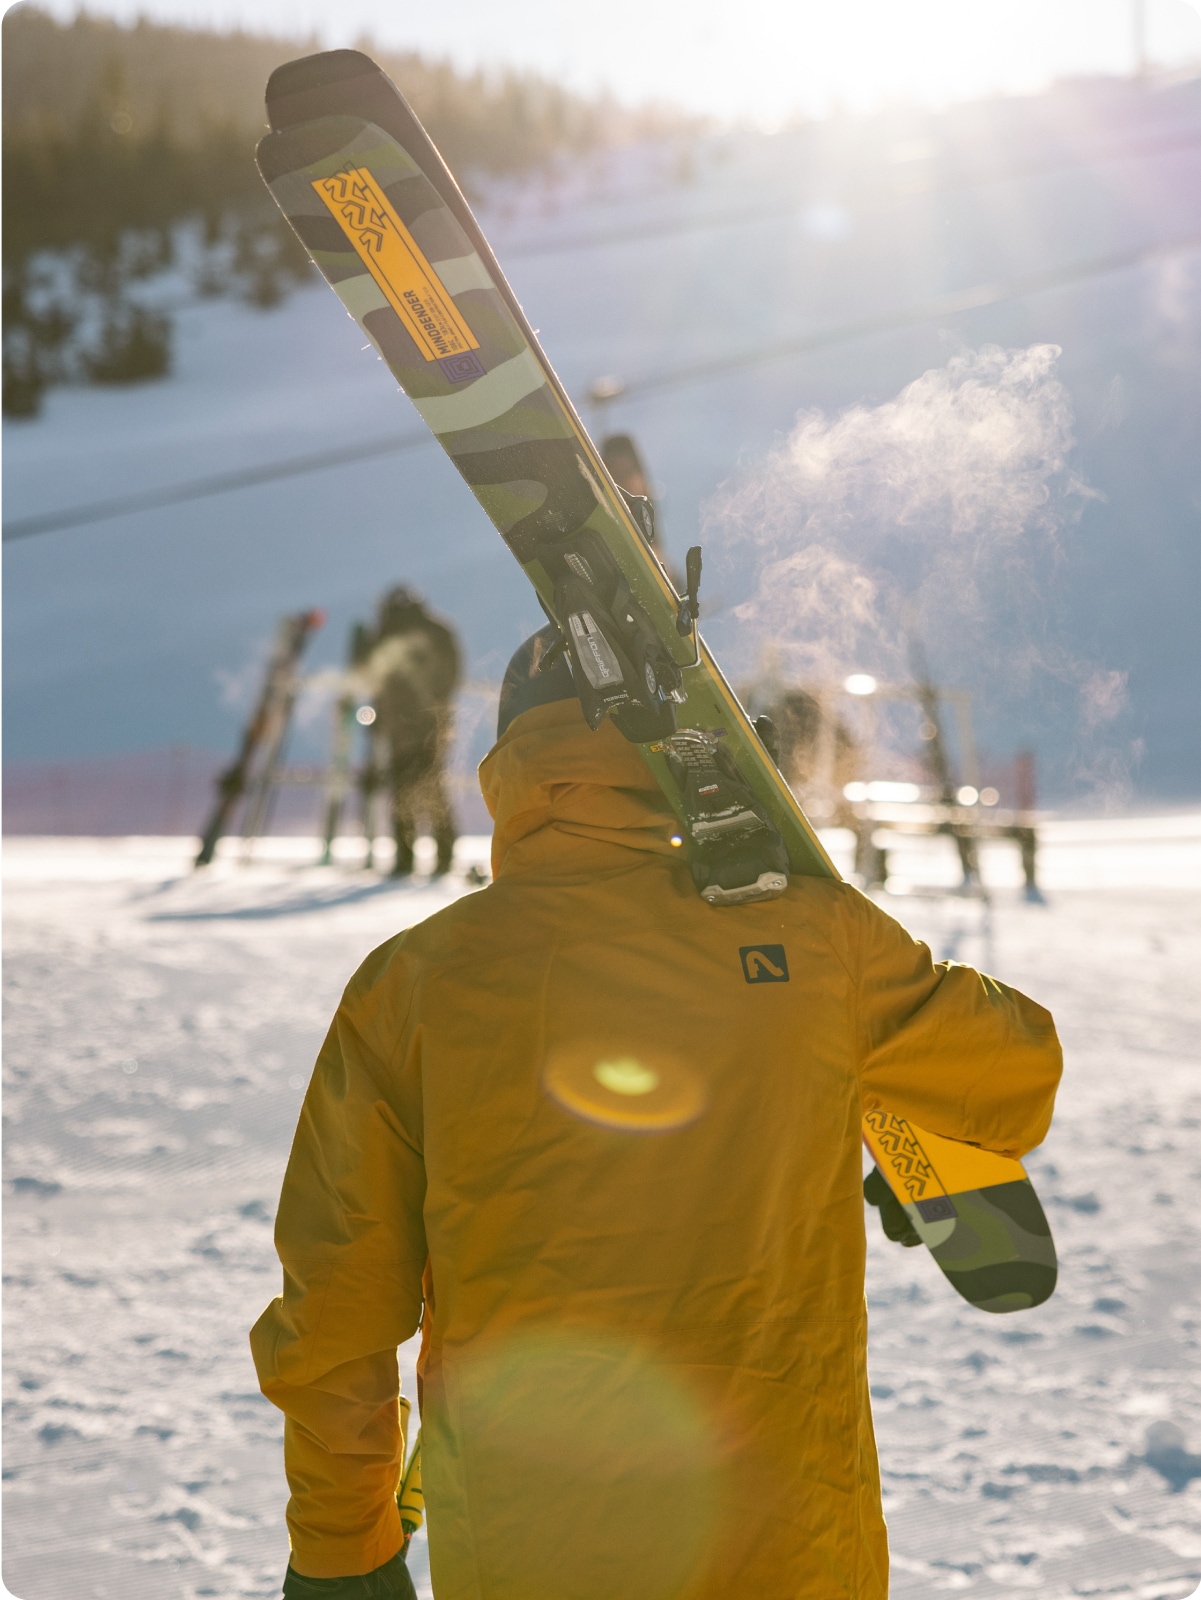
764 963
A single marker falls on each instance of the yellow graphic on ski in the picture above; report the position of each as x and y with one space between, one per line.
395 260
976 1212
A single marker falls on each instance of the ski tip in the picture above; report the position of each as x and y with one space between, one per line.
290 83
297 145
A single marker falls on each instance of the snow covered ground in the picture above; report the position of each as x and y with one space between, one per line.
160 1029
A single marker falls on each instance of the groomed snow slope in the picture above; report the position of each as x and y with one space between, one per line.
160 1031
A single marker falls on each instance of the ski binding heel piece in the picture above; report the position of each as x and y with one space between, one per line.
736 855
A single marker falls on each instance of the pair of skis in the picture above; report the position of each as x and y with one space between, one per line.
374 204
255 770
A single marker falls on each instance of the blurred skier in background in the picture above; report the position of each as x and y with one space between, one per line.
412 672
622 457
624 461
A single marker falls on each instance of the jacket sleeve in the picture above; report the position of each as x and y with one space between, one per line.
350 1235
951 1049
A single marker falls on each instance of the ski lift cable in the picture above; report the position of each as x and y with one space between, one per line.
218 483
977 297
958 301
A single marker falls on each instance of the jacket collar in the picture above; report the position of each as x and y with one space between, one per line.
567 799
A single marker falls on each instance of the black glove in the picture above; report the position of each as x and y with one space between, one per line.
894 1219
389 1582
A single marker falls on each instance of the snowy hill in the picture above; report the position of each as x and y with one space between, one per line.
1074 219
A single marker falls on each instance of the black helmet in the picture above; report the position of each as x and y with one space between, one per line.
527 683
400 606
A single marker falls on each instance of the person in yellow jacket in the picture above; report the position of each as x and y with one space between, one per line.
601 1143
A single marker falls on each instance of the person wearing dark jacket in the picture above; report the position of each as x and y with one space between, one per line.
413 670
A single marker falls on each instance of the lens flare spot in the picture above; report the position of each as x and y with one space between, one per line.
626 1076
617 1089
604 1448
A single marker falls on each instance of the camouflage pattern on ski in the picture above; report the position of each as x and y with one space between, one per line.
976 1213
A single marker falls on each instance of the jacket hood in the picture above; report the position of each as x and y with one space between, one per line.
551 783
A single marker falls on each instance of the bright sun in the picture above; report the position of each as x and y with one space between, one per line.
761 60
862 54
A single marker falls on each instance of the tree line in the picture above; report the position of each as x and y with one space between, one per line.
115 136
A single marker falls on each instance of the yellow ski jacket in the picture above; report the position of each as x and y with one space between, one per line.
603 1143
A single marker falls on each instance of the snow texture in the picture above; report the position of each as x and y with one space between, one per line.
160 1031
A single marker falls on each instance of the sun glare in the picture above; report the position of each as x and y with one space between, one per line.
770 62
864 55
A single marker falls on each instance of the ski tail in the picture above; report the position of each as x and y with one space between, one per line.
976 1212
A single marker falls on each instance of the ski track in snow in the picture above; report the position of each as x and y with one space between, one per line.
160 1031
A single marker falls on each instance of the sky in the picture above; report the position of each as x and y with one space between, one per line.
764 60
